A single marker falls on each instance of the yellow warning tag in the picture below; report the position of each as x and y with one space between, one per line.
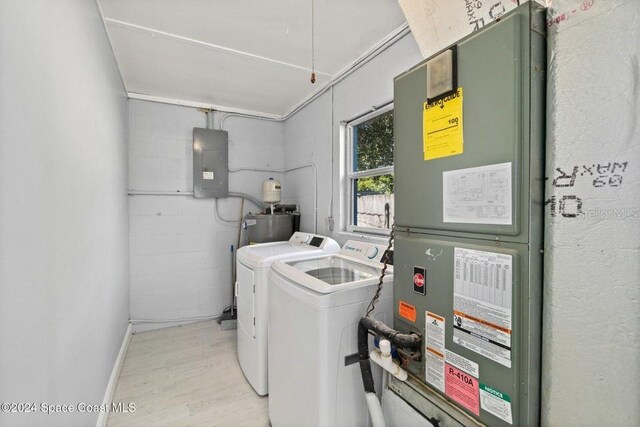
442 127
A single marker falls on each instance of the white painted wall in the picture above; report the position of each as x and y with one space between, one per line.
180 252
64 292
314 134
591 354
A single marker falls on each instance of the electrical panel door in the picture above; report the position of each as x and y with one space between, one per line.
210 163
469 168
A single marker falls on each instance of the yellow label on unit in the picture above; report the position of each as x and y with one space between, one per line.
442 125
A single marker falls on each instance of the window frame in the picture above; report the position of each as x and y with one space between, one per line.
351 175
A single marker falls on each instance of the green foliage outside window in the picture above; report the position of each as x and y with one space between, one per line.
374 148
376 184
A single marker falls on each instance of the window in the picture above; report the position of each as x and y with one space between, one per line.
370 171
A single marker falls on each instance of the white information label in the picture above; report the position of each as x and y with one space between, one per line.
482 303
479 195
495 402
207 175
434 350
462 363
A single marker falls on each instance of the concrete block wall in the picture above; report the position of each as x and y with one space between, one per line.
310 133
180 252
307 138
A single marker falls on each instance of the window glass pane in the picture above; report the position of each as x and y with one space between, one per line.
373 142
373 204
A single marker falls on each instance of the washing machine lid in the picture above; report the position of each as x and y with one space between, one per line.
329 274
262 255
301 245
335 270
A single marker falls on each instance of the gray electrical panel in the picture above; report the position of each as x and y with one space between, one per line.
210 163
469 170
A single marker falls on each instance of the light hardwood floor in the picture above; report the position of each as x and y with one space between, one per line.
186 376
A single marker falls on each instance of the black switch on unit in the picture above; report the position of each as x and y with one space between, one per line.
420 280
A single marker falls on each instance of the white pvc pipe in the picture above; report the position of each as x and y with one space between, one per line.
159 193
375 410
384 359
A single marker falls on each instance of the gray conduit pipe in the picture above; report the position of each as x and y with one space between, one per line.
249 197
242 196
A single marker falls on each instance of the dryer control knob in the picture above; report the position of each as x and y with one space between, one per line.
305 238
372 252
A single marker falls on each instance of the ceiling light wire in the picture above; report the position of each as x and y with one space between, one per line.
313 48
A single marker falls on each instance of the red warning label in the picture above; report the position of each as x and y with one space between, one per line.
462 388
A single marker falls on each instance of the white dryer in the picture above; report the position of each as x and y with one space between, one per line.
252 297
315 306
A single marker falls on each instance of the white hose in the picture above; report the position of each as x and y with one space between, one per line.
375 410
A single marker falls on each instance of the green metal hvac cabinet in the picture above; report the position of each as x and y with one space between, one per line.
469 226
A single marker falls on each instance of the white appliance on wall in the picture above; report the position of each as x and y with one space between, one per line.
252 298
315 306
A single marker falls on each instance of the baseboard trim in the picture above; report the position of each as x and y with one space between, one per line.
146 325
113 380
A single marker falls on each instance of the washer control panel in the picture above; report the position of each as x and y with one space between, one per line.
311 239
364 250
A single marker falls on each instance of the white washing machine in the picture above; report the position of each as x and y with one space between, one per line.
252 297
315 306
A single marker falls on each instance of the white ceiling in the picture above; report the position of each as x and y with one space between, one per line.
244 55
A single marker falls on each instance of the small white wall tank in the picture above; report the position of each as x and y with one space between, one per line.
271 191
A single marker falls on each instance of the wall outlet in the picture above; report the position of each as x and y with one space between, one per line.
329 223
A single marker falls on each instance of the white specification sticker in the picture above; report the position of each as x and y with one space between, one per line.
462 363
482 303
496 402
207 175
434 349
479 195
